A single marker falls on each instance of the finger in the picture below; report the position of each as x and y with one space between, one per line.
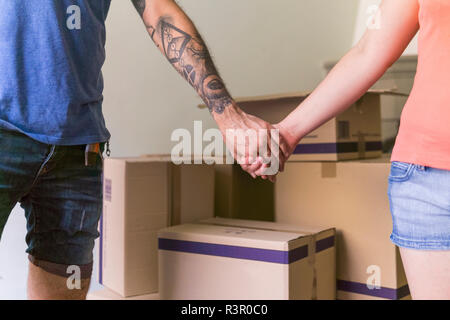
286 153
284 148
275 155
261 171
282 160
254 167
278 159
247 169
254 176
264 140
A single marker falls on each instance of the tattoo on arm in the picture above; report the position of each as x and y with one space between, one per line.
151 31
190 57
140 6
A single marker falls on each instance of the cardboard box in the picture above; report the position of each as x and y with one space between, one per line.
239 196
141 196
354 134
246 260
106 294
352 196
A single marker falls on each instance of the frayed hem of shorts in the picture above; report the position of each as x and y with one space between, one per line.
62 270
434 245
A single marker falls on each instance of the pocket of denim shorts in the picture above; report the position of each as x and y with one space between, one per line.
401 171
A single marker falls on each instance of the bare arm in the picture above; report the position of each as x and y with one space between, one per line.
177 38
357 71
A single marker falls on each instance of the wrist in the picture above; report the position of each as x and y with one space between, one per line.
230 112
292 128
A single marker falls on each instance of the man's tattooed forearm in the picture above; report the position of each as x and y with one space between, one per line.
190 57
140 6
151 30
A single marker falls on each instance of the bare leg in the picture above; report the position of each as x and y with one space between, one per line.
428 273
47 286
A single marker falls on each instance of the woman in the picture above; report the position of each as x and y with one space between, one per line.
419 182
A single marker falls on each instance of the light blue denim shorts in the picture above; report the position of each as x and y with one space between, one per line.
419 197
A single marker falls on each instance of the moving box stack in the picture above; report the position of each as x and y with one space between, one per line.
141 196
352 196
246 260
348 195
330 239
239 196
354 134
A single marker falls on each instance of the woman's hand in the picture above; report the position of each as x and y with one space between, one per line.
288 143
251 140
355 73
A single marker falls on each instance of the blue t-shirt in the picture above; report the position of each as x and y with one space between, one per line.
51 55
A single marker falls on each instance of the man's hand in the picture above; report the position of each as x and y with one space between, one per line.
288 143
258 147
251 140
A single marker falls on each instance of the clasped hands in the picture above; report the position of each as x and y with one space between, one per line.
260 148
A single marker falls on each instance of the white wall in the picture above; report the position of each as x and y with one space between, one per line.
260 47
365 10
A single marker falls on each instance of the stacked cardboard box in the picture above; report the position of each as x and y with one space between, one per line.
329 193
240 259
228 259
352 196
353 134
238 195
141 196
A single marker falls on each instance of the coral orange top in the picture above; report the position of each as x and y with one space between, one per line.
424 136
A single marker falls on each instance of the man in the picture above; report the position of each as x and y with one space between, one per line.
52 131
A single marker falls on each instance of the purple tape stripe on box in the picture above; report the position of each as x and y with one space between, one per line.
298 253
266 255
341 147
316 148
383 292
403 292
324 244
374 146
302 252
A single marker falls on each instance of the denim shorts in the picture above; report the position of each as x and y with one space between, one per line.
61 196
420 206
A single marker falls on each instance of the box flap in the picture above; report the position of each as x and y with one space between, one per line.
230 236
304 94
269 226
